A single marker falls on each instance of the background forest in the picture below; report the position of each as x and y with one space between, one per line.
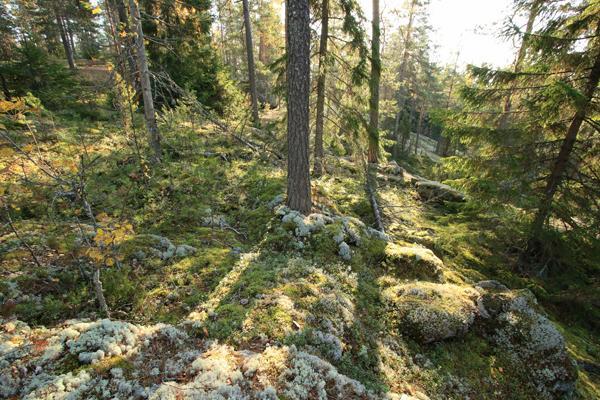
293 199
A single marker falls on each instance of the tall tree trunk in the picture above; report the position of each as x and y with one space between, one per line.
298 92
404 138
262 48
560 166
149 114
373 150
402 95
129 45
251 68
65 39
319 153
419 127
533 13
69 31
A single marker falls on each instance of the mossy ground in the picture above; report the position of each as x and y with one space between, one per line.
249 282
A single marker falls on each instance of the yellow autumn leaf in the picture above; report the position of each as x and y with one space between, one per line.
109 262
96 10
94 254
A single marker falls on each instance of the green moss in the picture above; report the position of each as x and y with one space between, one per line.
227 321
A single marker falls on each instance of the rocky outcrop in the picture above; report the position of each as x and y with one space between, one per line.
430 312
413 262
509 319
345 231
428 190
516 324
438 192
156 362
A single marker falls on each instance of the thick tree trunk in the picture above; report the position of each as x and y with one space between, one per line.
65 40
319 123
149 114
251 68
533 13
560 166
373 150
298 91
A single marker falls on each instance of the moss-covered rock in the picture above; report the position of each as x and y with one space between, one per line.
149 245
430 312
439 192
518 326
413 262
163 362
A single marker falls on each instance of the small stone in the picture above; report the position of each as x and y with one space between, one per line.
172 296
244 302
345 251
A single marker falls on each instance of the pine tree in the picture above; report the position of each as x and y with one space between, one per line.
142 63
298 92
373 130
322 74
549 133
250 57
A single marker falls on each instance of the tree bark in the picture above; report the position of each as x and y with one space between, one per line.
251 68
298 92
65 40
373 149
560 166
319 153
149 114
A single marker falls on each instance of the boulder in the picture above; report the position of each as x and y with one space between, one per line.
439 192
413 262
430 312
392 168
529 338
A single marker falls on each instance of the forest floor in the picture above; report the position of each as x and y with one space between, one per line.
259 301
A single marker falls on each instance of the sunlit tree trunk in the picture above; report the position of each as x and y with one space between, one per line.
250 56
149 114
298 92
65 39
373 150
319 153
